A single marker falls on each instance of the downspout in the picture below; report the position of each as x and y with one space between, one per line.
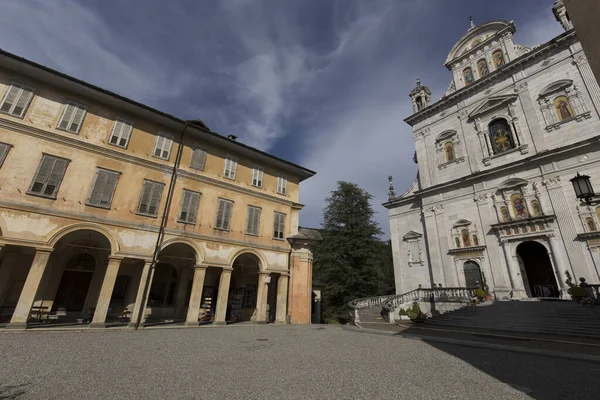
163 223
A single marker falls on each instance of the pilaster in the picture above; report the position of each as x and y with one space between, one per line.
282 295
518 288
261 297
589 79
531 119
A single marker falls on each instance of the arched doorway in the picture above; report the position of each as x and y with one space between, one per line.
75 283
473 276
243 289
538 269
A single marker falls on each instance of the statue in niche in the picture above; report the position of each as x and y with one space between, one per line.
419 103
498 59
519 205
468 75
465 237
483 68
475 240
537 210
457 241
449 149
591 225
505 214
563 108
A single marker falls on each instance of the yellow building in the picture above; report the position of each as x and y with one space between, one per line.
114 212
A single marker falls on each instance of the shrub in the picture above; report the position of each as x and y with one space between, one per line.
414 312
402 311
480 293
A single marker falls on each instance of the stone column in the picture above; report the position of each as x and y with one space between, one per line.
588 78
436 262
196 296
282 294
516 279
108 284
555 255
182 291
32 284
261 297
141 299
223 297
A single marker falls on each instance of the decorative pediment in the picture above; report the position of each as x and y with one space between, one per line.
512 183
493 103
461 222
556 86
445 136
412 235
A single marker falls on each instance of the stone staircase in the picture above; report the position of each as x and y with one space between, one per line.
371 315
555 317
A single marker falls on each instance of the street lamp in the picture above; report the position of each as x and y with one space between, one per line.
584 190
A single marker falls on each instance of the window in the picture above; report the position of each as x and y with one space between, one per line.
279 226
103 188
282 184
198 159
48 176
150 198
72 117
501 136
468 75
482 67
223 214
16 100
253 221
189 207
120 133
257 176
4 149
229 167
162 147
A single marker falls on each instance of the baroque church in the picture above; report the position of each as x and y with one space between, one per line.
492 205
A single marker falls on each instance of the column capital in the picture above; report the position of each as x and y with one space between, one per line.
115 258
265 272
201 266
227 269
44 250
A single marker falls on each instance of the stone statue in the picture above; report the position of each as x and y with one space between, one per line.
391 194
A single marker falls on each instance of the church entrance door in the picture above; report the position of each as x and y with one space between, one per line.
540 274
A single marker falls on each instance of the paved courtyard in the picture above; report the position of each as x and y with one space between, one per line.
275 362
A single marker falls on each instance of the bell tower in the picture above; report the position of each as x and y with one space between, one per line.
420 97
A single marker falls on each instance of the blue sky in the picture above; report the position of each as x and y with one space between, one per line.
321 83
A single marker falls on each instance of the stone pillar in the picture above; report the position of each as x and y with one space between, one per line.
518 289
300 288
223 297
588 78
108 284
555 254
282 295
261 297
182 291
32 284
436 262
7 264
141 298
196 296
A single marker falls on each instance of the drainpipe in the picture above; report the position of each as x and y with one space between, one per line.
163 223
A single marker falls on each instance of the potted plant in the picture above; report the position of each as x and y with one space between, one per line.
481 295
415 314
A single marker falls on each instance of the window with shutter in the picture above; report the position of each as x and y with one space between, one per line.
282 184
229 167
48 176
16 100
120 133
162 147
150 198
223 214
189 207
4 149
279 225
198 159
72 117
103 188
253 221
257 176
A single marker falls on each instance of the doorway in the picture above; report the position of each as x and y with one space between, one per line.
75 283
538 269
473 277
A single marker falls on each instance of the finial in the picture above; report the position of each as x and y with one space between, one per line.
418 81
472 25
391 194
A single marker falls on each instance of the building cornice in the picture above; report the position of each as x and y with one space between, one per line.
482 83
128 158
588 144
466 249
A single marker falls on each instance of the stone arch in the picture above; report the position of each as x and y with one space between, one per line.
511 183
446 135
199 253
556 86
115 244
263 264
543 242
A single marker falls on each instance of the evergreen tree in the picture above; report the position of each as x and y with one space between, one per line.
351 261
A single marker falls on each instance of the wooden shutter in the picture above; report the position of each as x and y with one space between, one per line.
279 225
58 171
77 119
42 175
158 146
250 220
193 207
49 175
198 159
126 129
67 116
145 197
22 102
155 198
227 215
9 99
4 148
256 221
104 188
220 214
276 226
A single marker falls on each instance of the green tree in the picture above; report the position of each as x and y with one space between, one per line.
351 261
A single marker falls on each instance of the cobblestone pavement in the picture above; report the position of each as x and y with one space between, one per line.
274 362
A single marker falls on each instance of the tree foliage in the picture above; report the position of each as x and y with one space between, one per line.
351 261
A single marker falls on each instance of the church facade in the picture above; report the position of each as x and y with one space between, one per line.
492 205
